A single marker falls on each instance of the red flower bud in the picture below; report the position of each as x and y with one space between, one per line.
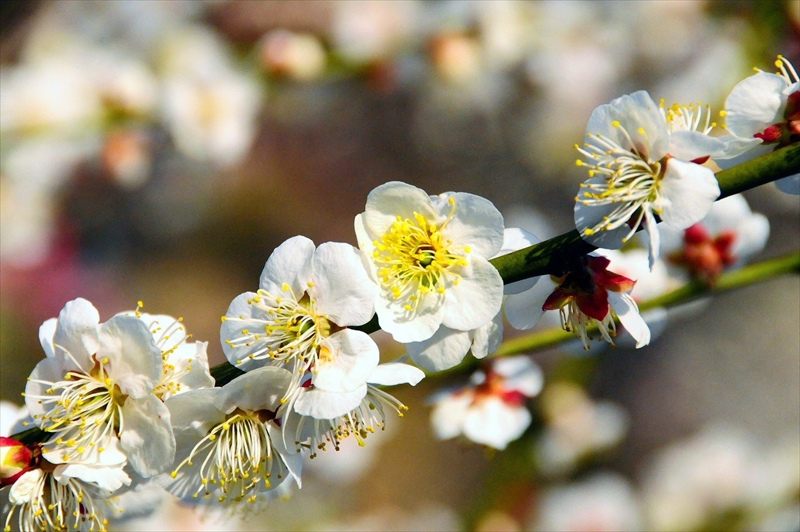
15 459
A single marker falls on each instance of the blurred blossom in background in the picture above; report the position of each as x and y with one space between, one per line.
159 151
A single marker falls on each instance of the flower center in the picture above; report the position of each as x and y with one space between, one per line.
292 330
234 457
631 181
414 259
575 321
688 117
86 413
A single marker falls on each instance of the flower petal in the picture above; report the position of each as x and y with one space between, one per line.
445 349
259 389
342 289
241 316
690 145
320 404
654 238
147 437
625 308
521 374
589 216
394 373
290 263
755 103
449 412
486 339
347 359
633 111
106 478
494 423
134 361
194 412
46 332
687 193
76 332
476 222
405 327
476 299
515 239
523 311
390 200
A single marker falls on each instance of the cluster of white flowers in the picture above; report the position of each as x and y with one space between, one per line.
132 401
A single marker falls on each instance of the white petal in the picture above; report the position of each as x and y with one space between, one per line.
588 216
290 263
106 478
342 288
449 412
751 236
656 320
634 111
523 311
476 299
735 147
394 373
515 239
76 332
134 360
292 459
687 193
789 185
194 356
22 491
46 333
625 308
259 389
147 437
494 423
347 359
443 350
242 315
414 328
521 374
195 411
690 145
486 339
47 371
755 103
320 404
476 223
393 199
754 149
654 238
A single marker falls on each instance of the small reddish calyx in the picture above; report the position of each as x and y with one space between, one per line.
15 460
703 255
494 385
588 285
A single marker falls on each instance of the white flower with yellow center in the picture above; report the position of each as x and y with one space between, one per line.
314 418
229 445
429 255
94 392
637 173
300 314
184 363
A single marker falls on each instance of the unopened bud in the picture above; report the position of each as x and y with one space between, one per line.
15 459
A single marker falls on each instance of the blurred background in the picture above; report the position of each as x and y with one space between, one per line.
159 151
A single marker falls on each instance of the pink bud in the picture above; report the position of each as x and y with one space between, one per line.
15 459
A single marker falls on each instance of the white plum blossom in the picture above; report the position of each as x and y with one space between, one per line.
447 347
429 255
491 409
764 110
229 446
307 298
637 171
727 237
95 392
314 417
